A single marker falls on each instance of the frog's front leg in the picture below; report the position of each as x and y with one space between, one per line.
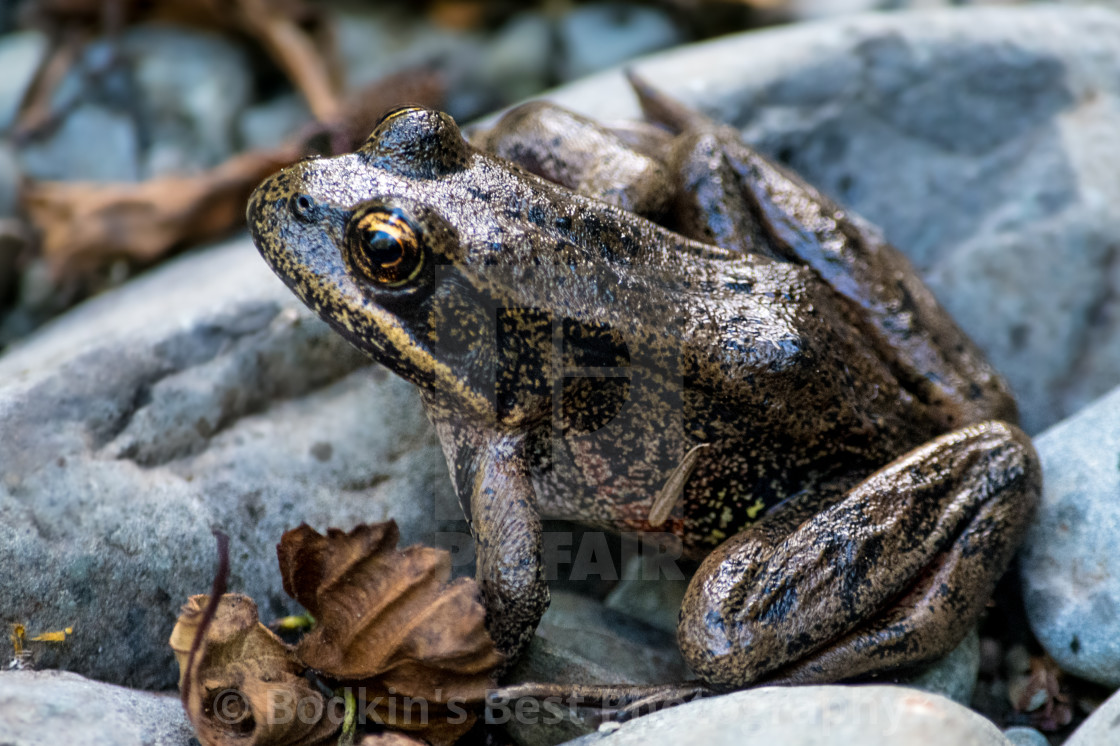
893 574
502 510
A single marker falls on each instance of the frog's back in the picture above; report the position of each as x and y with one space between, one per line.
757 360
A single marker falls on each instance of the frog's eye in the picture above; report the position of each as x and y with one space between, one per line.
383 246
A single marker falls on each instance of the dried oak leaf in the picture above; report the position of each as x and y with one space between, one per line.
391 626
246 685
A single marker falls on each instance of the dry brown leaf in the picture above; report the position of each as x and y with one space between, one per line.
1037 689
86 224
391 626
247 686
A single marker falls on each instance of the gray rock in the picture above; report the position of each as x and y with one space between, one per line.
161 100
39 707
518 58
982 140
579 641
269 124
803 10
1070 566
66 154
1101 728
192 87
199 395
20 55
597 36
954 675
631 650
816 715
644 594
1024 736
376 39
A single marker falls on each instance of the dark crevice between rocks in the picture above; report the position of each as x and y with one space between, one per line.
366 483
189 349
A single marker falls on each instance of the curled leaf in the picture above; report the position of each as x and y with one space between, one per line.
247 685
390 624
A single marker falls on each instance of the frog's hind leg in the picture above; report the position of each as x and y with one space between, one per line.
893 574
711 201
581 154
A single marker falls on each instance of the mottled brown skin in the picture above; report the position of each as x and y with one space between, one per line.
862 487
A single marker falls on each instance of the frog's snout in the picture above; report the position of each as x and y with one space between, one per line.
263 212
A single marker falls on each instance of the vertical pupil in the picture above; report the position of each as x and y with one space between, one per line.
383 248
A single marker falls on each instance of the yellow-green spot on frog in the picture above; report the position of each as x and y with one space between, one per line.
581 322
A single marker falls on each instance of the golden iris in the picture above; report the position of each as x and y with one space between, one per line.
383 246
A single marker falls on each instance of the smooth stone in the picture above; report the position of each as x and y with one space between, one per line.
597 36
954 674
518 57
1022 735
622 644
67 153
1069 562
39 707
1101 728
809 715
20 56
192 87
269 124
184 90
375 40
982 141
644 593
199 395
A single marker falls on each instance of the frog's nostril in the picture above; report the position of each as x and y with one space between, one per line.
304 208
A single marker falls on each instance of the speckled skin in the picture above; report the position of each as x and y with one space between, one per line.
862 488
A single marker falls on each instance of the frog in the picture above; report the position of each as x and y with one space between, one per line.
651 327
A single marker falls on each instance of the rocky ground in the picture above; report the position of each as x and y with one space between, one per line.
201 393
